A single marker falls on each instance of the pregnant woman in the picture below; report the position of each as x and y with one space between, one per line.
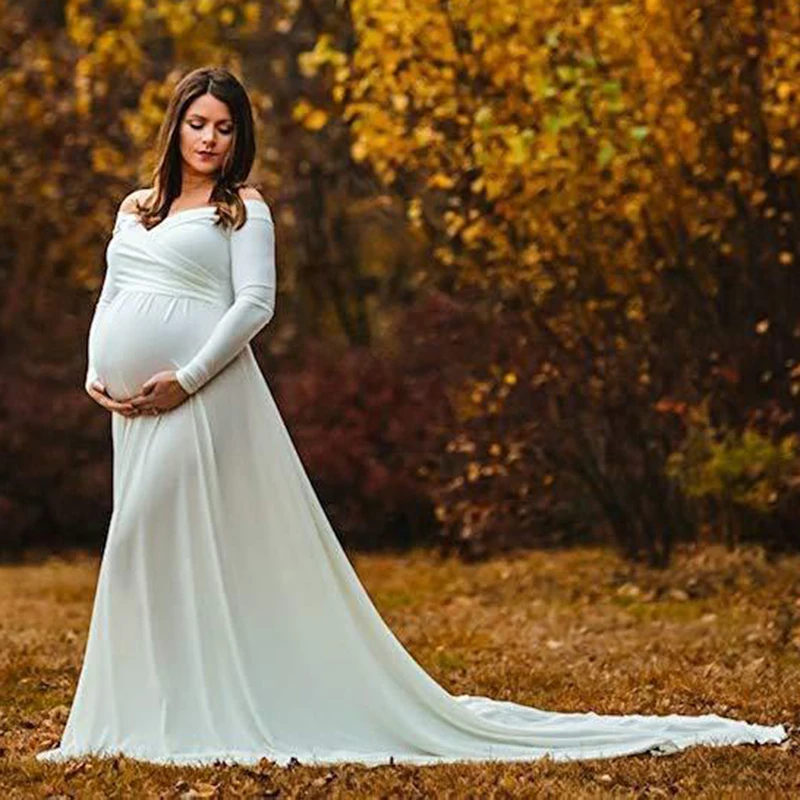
228 623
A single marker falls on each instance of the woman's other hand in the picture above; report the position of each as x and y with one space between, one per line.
160 393
97 392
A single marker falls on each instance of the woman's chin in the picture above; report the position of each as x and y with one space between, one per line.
205 167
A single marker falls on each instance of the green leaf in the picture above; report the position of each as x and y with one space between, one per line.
607 152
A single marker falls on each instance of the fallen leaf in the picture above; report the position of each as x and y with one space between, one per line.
324 780
201 790
75 769
58 713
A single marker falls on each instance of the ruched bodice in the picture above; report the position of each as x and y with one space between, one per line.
177 257
167 290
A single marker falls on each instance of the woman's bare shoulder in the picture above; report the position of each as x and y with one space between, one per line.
128 203
250 193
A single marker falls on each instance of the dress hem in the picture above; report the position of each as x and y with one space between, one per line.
667 746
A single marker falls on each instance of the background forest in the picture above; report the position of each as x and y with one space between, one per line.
538 260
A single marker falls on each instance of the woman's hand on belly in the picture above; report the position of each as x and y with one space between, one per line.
158 394
98 393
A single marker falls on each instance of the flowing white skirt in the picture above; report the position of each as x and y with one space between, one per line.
228 623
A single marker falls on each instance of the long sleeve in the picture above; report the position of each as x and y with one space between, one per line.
254 284
107 293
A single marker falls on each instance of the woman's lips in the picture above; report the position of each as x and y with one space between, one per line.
207 156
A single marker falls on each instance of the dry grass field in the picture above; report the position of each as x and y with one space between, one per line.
718 632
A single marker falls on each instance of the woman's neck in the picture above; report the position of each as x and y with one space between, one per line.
196 186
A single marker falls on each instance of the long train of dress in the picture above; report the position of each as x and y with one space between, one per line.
228 623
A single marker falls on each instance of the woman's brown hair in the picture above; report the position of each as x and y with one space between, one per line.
238 162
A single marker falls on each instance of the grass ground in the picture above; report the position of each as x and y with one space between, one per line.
582 630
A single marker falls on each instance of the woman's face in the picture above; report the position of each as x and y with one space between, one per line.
206 134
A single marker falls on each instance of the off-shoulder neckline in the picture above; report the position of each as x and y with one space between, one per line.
195 208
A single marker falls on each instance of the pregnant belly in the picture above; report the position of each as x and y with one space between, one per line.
142 334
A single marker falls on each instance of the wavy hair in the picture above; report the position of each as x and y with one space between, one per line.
167 175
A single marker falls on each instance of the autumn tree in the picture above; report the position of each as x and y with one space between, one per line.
623 178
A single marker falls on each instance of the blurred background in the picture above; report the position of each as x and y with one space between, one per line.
538 260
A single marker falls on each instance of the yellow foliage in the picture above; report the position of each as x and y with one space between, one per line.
324 53
107 159
80 24
741 468
441 181
576 126
310 117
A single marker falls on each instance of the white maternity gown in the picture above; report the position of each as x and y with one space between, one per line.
228 623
